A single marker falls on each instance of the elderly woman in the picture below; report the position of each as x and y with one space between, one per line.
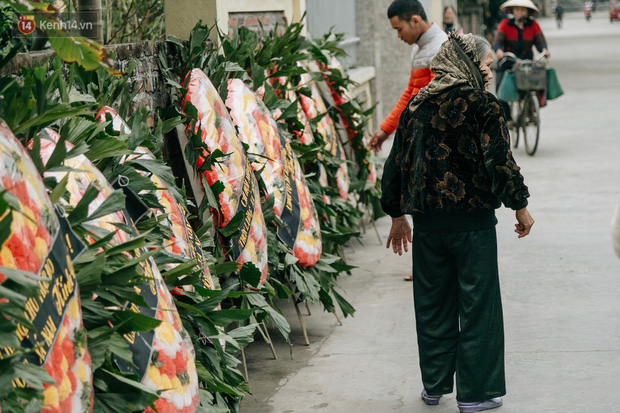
450 167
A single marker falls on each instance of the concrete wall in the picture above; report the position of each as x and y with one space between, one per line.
339 17
182 16
324 14
379 47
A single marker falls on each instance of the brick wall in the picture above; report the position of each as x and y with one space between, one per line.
253 20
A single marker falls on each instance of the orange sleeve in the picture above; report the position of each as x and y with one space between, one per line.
390 123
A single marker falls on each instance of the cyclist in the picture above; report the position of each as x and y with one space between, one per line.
559 14
517 33
588 8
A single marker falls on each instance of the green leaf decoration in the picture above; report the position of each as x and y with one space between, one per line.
85 52
50 116
134 396
99 344
225 317
23 278
135 321
100 149
80 211
59 154
250 274
59 190
113 203
346 308
89 276
226 267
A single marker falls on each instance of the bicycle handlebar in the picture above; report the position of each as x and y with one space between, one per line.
508 57
541 57
512 58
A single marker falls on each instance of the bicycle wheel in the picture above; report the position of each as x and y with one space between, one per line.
514 114
530 123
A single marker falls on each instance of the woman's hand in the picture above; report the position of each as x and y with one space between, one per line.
500 54
400 233
377 140
524 222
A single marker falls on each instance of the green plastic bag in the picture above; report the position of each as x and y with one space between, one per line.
507 90
554 90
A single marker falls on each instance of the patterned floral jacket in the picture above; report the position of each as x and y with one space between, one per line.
452 155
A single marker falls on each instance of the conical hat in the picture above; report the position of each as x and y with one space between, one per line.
520 3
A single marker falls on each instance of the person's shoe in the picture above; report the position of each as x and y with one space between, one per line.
430 400
409 278
479 406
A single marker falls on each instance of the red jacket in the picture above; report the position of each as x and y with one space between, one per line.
423 52
510 38
417 80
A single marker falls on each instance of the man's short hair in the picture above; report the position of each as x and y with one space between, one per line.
404 9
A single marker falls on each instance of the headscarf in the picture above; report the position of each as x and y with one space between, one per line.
456 63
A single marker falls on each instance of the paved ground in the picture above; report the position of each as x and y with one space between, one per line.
561 285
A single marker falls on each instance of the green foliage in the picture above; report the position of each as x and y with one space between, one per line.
7 25
35 103
133 20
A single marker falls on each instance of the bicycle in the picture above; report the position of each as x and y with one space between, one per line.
530 78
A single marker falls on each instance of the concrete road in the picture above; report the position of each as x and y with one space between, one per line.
561 285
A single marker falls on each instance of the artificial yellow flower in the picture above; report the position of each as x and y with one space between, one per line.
64 364
176 385
50 397
64 390
40 247
7 257
74 309
80 372
165 382
155 376
165 332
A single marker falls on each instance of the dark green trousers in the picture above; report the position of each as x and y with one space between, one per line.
458 313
